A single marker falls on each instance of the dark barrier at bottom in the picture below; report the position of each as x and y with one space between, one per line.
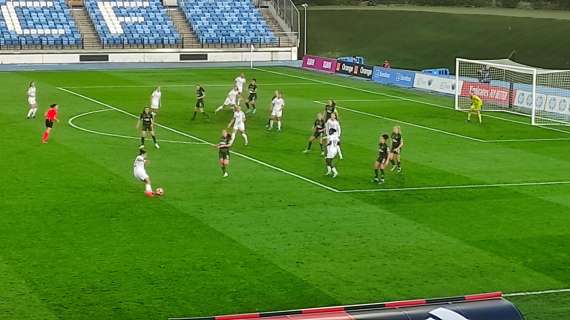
487 306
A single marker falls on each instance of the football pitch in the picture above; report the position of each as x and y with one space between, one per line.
476 208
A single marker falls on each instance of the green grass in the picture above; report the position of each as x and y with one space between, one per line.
80 241
419 40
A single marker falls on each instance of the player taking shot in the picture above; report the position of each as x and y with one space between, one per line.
139 171
476 105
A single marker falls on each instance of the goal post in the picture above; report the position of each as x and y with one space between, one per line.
507 86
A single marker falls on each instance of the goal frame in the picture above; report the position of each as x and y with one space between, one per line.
528 70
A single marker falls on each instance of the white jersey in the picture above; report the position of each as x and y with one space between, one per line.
332 146
139 170
232 97
155 99
278 104
31 92
239 120
333 124
239 82
32 96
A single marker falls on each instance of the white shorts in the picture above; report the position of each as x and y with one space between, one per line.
229 102
277 113
240 127
332 152
140 174
31 101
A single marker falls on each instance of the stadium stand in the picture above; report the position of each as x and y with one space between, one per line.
37 24
140 23
227 22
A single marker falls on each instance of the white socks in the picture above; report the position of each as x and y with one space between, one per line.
32 112
244 138
147 187
270 124
334 171
219 108
329 170
279 125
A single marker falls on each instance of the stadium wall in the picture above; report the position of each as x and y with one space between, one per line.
150 56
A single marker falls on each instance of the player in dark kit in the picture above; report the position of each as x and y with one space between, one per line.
51 116
224 151
147 120
330 108
382 160
200 95
252 98
318 133
397 144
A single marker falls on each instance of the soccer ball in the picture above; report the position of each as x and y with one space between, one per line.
159 192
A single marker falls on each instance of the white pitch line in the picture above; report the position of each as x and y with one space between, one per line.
408 123
188 85
535 293
204 141
72 124
401 98
467 186
529 140
366 100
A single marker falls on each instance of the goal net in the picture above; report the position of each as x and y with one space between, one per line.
504 85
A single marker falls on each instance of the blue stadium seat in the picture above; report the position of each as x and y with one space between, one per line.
39 25
137 22
227 21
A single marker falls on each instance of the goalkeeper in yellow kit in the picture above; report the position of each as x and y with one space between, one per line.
476 105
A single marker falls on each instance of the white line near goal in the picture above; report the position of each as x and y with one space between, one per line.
229 85
466 186
403 98
407 123
265 164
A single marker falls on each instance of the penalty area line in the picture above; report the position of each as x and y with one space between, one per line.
467 186
401 98
265 164
407 123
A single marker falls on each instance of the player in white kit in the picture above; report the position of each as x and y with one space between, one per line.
139 172
238 125
239 82
277 106
332 151
332 123
32 103
231 100
155 101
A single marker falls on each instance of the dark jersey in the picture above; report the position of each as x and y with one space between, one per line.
223 146
383 151
396 140
252 88
319 126
146 119
200 94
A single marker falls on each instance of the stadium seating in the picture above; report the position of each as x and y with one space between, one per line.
227 22
121 23
37 23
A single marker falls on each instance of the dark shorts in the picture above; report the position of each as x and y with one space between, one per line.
224 154
147 128
327 116
394 151
49 123
200 104
318 134
381 159
252 97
